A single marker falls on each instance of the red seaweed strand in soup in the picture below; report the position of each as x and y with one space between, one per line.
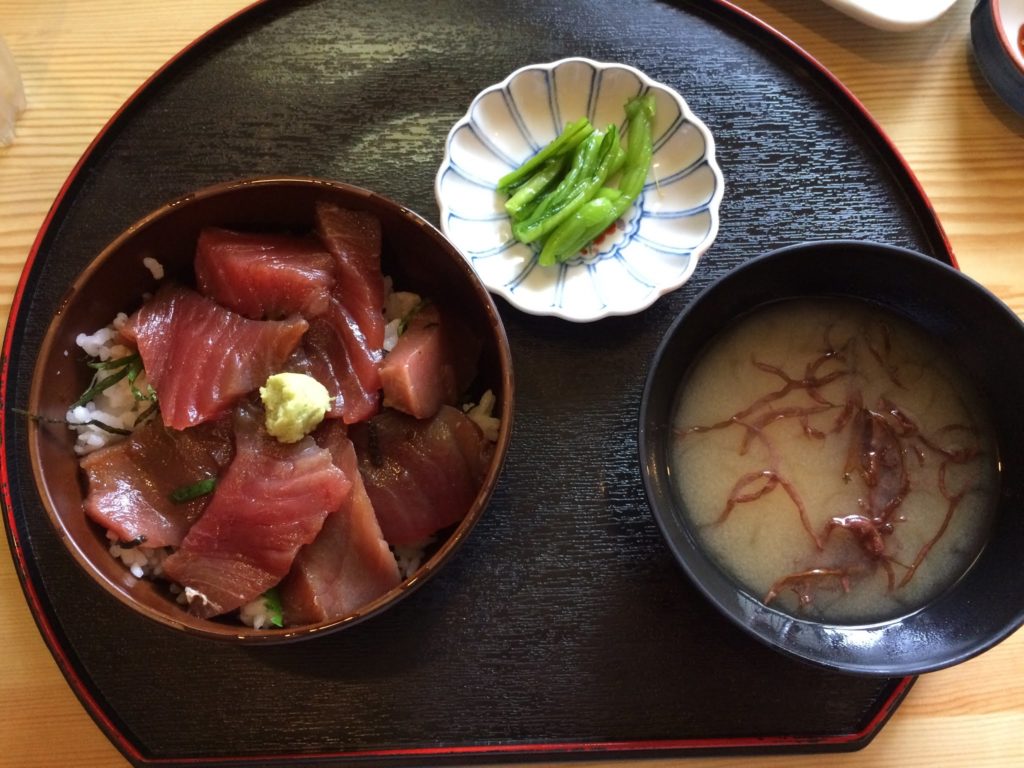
834 461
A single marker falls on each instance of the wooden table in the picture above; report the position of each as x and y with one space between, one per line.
81 60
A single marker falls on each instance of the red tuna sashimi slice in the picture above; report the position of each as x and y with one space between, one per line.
264 276
130 482
349 564
354 239
420 475
432 363
201 358
335 353
271 500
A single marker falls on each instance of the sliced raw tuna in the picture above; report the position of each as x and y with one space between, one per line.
264 276
354 239
201 358
432 363
420 475
349 564
130 482
270 501
335 353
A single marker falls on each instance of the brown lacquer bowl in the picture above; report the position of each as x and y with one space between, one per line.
415 254
981 606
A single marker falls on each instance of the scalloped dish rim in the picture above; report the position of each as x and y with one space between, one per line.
713 204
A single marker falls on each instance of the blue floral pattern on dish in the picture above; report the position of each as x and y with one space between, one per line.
652 250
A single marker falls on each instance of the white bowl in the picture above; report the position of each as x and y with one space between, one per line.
893 17
656 244
997 29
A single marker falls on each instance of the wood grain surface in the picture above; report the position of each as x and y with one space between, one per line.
81 60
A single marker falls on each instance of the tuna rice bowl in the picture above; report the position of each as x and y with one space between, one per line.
288 427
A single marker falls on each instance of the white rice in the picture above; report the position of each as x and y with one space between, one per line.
397 307
257 614
143 562
399 304
156 269
185 595
115 406
482 414
391 334
410 556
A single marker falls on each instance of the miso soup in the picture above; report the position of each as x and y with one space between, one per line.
834 460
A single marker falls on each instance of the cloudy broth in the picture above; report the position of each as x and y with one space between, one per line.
834 461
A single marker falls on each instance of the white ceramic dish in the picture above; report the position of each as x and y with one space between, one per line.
657 243
893 15
997 38
1011 24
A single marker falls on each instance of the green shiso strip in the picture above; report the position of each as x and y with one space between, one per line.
124 366
194 491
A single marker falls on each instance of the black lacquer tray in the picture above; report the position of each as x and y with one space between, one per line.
563 627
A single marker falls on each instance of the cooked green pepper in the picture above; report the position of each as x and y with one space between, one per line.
562 203
584 226
639 145
595 168
566 142
529 191
596 215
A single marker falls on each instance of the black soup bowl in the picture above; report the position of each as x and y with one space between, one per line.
983 336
